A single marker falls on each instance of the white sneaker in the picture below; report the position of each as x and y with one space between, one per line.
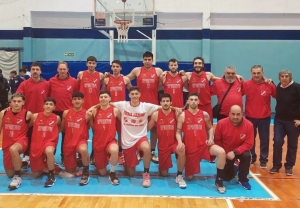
15 183
25 162
181 183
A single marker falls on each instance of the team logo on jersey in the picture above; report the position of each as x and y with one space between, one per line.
152 75
199 120
239 89
19 121
161 121
263 93
143 75
203 80
86 79
178 81
109 115
172 120
95 80
79 120
51 123
120 83
189 120
194 79
69 88
41 122
70 118
99 115
242 136
42 92
7 120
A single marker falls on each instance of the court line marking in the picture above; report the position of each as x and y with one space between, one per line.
229 203
275 197
138 196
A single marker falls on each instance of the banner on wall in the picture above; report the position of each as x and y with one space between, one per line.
9 61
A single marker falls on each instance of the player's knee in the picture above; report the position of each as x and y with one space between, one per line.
130 172
189 178
49 151
36 174
114 149
83 150
102 172
180 153
164 173
13 149
221 153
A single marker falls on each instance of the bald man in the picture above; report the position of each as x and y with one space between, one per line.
235 134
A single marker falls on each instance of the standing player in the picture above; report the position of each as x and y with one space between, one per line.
14 125
75 124
116 84
148 83
173 83
62 87
196 125
166 121
89 84
44 140
35 90
104 143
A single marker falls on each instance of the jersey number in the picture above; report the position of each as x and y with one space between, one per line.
90 90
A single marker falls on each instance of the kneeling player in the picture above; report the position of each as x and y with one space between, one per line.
105 145
44 140
14 125
195 125
75 125
166 133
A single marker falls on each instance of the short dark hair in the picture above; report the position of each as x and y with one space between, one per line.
13 72
104 92
134 88
165 95
193 94
36 64
18 95
198 57
117 62
25 67
173 60
256 67
22 70
148 54
50 99
77 94
91 58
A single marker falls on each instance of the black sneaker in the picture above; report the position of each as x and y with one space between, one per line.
50 181
263 165
220 187
113 178
274 170
288 171
85 178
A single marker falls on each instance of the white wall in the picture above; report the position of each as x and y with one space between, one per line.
21 15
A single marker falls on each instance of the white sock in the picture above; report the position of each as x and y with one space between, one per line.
112 168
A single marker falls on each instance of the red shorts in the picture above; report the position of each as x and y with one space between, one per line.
40 162
207 108
165 161
7 161
130 154
70 155
102 156
192 164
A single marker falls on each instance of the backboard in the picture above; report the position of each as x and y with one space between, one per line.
140 12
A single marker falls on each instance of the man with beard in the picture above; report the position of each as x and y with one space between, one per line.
173 83
116 84
197 129
166 120
36 90
235 94
148 82
235 135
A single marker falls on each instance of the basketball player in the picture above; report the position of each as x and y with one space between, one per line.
14 125
62 87
116 84
196 125
35 89
166 121
89 84
45 132
104 143
173 83
148 82
75 124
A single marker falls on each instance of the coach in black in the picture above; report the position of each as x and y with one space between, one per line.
286 122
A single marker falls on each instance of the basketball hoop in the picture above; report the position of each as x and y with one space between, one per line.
122 28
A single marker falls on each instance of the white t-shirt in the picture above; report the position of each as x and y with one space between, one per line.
134 121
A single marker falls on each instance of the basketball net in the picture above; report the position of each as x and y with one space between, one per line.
122 28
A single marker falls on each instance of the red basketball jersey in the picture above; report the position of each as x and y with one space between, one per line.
147 81
117 89
104 128
194 130
44 133
174 87
90 87
166 129
14 128
200 85
76 128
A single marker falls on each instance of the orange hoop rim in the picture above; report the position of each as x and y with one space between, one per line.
122 22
